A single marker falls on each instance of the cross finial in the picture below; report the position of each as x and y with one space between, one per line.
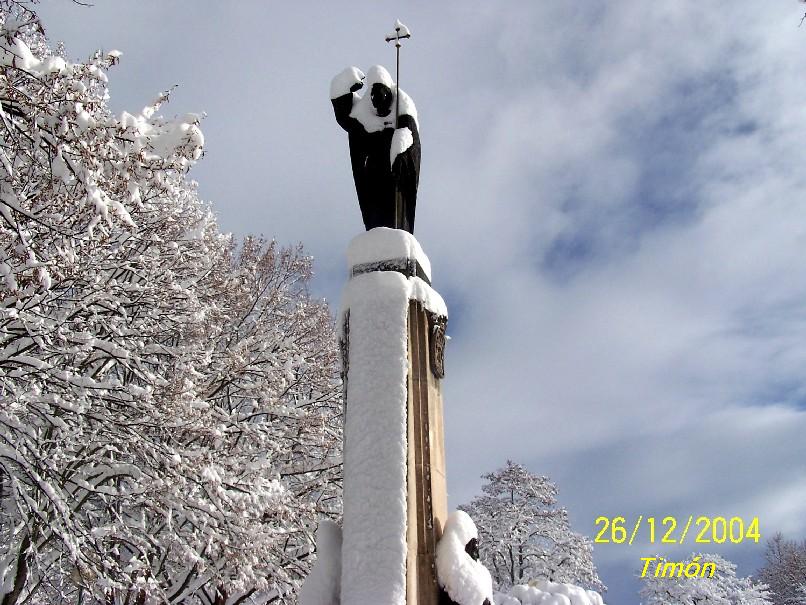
401 32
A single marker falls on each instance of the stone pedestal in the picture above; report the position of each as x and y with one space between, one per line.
395 501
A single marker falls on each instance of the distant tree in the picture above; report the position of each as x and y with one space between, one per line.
525 536
784 569
724 588
169 424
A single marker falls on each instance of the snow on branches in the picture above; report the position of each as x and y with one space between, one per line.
524 536
169 428
784 570
724 588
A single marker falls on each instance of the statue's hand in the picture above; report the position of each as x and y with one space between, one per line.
348 80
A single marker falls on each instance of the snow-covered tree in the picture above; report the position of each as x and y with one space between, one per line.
784 569
523 534
272 383
724 588
169 425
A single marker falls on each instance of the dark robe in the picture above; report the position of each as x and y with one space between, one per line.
376 183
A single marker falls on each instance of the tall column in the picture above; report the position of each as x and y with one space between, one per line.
395 504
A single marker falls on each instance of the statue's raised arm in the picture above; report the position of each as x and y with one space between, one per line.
342 94
384 151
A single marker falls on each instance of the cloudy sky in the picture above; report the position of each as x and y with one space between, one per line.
612 198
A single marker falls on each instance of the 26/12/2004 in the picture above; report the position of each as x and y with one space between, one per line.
706 530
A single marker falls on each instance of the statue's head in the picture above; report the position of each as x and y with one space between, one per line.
380 85
472 548
381 97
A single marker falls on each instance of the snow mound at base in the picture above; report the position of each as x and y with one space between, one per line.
549 593
505 599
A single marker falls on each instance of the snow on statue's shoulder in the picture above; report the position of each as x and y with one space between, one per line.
407 107
383 244
402 139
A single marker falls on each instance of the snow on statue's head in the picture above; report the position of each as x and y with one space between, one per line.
375 110
461 525
377 74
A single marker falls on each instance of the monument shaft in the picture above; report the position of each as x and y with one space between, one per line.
395 502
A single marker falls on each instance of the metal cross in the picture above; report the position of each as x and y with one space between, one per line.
401 32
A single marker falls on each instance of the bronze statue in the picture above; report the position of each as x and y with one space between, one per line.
384 148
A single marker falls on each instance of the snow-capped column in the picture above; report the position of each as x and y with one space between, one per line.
394 483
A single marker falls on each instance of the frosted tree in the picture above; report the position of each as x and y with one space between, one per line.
98 233
724 588
272 383
784 569
525 536
169 424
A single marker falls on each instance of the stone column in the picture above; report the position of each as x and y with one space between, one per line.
395 502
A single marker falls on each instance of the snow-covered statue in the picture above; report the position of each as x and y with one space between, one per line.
384 147
459 571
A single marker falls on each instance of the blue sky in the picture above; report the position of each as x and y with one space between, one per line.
612 198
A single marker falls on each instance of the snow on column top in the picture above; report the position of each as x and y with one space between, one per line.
382 244
372 288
